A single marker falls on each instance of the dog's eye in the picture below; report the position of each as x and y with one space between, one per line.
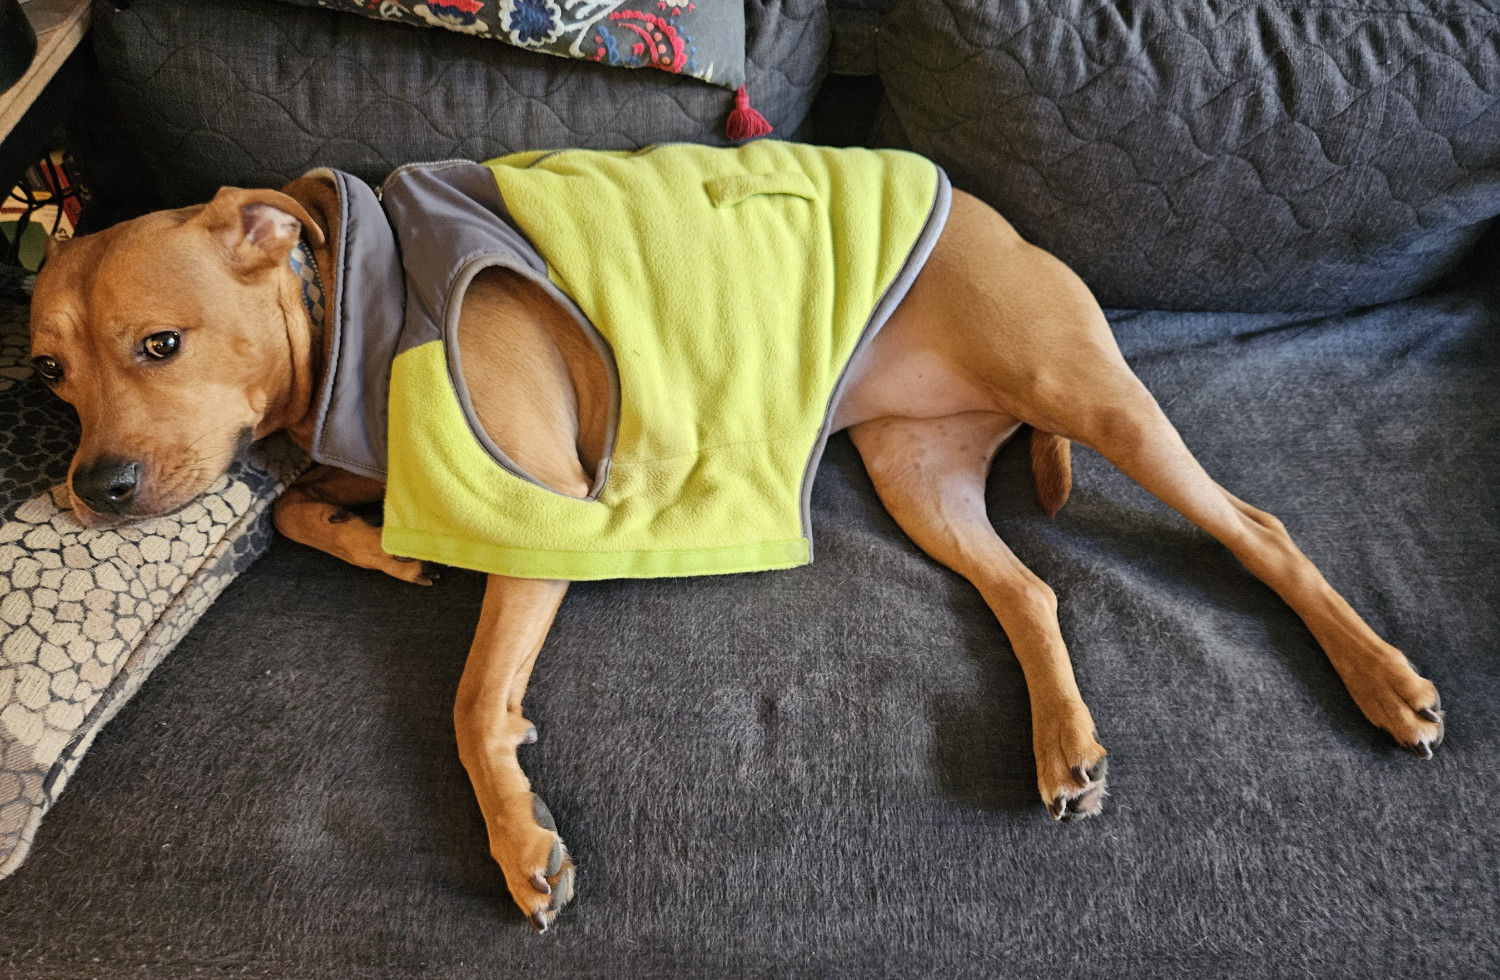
162 345
48 368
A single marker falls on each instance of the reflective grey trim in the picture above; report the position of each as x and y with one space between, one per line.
407 168
937 218
366 318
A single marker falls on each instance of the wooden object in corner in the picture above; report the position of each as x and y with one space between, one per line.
60 25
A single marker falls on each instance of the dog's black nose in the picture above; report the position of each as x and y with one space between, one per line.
108 485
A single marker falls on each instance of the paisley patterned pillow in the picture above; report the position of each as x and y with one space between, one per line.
85 615
703 39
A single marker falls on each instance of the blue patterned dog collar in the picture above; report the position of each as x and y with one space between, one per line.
306 268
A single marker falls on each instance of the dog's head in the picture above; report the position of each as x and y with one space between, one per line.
172 335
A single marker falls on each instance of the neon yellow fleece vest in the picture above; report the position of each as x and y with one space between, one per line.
731 287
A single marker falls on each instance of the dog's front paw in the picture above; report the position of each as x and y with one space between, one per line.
413 571
538 869
356 539
1070 768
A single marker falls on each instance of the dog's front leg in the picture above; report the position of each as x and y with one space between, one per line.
513 624
315 511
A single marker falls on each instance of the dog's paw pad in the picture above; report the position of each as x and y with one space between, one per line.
549 882
1422 746
1087 802
1082 794
555 884
1071 766
1086 775
541 814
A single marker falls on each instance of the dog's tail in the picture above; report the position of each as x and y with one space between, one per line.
1051 467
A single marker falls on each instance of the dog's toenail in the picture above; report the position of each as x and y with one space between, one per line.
541 814
1081 774
554 860
530 737
1058 808
1430 715
538 920
1422 750
540 883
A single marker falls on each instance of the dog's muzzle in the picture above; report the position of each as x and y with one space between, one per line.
107 486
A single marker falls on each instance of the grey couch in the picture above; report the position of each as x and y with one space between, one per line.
1289 208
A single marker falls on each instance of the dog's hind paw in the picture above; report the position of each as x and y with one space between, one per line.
1070 767
1086 797
1399 700
1430 728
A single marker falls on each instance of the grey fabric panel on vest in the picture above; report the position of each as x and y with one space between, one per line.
446 215
1214 154
366 317
827 772
255 92
452 224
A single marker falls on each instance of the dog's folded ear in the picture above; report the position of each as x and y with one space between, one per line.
256 227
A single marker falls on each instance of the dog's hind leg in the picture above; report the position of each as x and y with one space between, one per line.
930 474
1117 416
513 624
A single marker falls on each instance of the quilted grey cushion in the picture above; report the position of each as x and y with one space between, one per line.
254 92
1214 154
855 24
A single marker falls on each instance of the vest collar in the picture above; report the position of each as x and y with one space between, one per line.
365 308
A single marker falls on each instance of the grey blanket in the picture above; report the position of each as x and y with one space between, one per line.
828 772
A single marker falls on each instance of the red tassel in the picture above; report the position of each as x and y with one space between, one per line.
744 122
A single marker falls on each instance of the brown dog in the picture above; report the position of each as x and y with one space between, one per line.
182 336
